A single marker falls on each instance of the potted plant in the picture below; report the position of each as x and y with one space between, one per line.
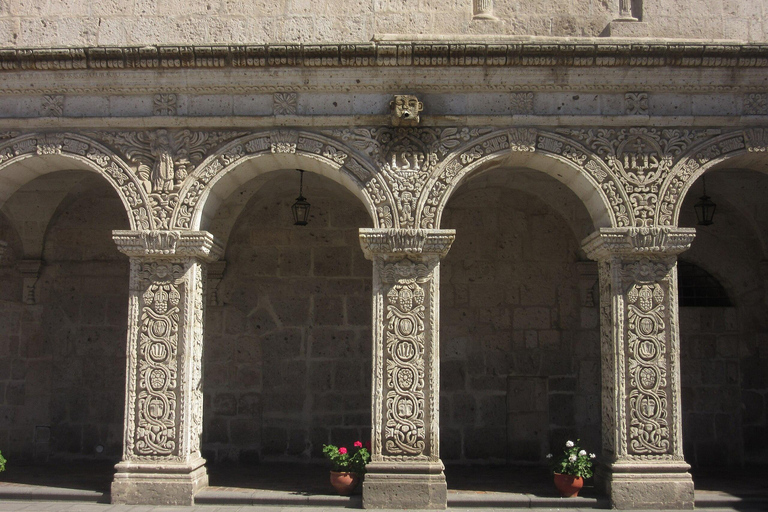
348 465
571 468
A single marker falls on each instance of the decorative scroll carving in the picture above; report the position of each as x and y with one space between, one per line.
756 140
689 168
641 159
407 157
405 432
163 159
647 338
639 340
157 355
612 368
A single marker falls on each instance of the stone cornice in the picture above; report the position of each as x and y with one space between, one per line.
409 242
168 244
569 52
646 242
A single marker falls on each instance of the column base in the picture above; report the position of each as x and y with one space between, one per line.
647 485
405 485
158 484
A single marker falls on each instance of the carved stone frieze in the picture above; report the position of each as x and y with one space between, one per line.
634 53
168 244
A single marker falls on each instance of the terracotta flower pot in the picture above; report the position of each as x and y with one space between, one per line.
568 485
344 482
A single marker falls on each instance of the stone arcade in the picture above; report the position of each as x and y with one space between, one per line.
558 172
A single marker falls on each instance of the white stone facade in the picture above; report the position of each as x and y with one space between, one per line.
501 192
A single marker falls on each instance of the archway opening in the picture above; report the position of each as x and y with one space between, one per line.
64 307
287 363
520 355
723 344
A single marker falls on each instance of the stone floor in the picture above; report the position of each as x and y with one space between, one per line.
274 487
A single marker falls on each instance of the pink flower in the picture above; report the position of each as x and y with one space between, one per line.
358 444
368 445
342 450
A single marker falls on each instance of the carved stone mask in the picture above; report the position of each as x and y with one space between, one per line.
405 110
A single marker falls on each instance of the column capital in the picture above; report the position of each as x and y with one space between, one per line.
157 244
638 242
416 244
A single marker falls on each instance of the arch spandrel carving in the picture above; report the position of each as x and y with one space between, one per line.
276 149
589 177
69 150
713 152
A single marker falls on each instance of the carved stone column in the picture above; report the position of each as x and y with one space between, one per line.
406 471
642 458
164 396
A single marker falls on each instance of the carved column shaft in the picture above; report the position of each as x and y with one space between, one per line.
406 470
164 396
640 345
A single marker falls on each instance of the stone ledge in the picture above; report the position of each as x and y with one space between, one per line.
555 52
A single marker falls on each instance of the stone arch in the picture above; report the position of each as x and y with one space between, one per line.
233 164
568 162
743 149
25 157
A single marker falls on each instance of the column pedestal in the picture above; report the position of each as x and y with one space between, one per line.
158 484
635 485
405 486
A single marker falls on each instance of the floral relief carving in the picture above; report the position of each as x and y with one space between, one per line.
636 103
163 159
647 338
521 103
165 104
641 159
407 157
156 406
284 103
405 432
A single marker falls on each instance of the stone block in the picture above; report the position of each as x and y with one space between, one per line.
452 376
561 411
244 432
225 404
331 261
531 318
414 486
493 410
329 311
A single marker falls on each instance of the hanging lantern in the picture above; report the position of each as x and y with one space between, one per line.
705 208
301 207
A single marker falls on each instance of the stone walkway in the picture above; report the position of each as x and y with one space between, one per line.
297 488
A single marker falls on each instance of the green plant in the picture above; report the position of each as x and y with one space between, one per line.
345 461
2 462
574 461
